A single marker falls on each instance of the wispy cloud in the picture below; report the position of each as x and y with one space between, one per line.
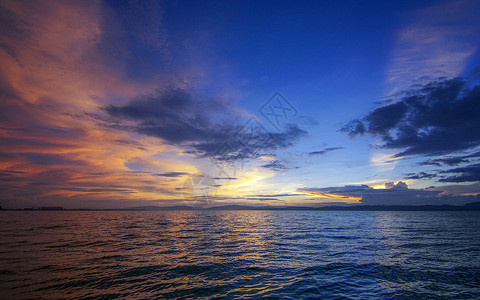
326 150
436 42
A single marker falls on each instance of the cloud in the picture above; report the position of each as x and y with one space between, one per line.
459 189
273 195
349 192
439 118
275 165
467 174
205 127
174 116
264 199
436 42
399 185
49 159
326 150
354 128
393 194
420 175
173 174
451 160
61 62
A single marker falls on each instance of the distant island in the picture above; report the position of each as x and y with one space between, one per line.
474 206
45 208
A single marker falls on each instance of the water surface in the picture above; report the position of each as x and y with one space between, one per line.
233 254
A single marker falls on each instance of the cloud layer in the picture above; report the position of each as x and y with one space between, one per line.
97 108
393 194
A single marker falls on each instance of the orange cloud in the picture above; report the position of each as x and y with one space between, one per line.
55 69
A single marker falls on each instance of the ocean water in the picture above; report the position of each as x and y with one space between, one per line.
239 254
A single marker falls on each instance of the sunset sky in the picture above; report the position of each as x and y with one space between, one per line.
114 104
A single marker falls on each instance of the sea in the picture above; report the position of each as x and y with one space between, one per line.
252 254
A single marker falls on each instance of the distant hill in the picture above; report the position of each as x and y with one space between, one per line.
474 206
470 206
152 207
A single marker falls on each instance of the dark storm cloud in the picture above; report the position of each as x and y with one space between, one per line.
326 150
203 126
439 118
466 174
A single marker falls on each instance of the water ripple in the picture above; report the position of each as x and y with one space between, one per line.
240 254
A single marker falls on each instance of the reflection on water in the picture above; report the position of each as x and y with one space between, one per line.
184 254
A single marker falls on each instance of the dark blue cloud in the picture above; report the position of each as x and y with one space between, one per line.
203 126
275 165
342 192
465 174
450 161
326 150
421 175
439 118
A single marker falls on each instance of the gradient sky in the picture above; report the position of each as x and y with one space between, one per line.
111 104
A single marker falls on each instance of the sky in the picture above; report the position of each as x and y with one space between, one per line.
116 104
